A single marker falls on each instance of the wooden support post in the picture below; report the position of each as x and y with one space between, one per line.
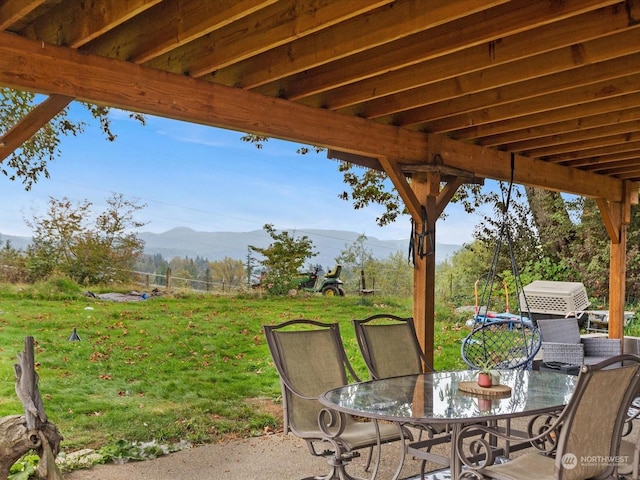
423 195
426 188
616 217
617 280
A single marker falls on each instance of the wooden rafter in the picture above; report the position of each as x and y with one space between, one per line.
410 17
505 19
13 11
239 42
80 23
396 86
197 20
493 87
551 131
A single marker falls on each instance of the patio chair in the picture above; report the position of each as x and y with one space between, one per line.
310 359
501 344
390 348
562 343
584 438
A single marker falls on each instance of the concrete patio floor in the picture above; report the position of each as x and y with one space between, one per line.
269 457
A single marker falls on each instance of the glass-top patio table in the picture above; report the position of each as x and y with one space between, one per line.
434 397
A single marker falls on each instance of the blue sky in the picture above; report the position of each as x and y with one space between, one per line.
205 179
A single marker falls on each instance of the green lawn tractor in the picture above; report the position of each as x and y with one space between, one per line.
330 284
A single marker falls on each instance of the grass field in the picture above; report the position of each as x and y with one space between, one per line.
171 368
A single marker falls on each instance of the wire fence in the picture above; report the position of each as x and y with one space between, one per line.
168 281
382 282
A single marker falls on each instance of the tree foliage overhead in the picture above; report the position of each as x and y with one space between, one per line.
283 258
29 162
69 240
554 237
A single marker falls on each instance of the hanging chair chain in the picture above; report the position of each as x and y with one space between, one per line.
505 232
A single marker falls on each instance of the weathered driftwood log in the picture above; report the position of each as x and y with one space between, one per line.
15 441
20 434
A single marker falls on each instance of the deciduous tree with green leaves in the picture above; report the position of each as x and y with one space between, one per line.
283 258
228 271
69 240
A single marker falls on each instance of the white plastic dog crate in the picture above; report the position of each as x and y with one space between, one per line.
554 298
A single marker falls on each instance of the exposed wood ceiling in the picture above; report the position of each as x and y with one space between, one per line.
555 82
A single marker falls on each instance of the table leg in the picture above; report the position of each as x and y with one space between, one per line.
455 464
403 449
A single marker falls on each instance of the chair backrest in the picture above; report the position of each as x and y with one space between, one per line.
310 359
593 420
559 330
501 344
389 346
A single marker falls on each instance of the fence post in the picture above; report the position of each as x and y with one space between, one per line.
168 278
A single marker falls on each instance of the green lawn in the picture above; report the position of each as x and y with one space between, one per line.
171 368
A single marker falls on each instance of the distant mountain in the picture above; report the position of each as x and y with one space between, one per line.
19 243
185 242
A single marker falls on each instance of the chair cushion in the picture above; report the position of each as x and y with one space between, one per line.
529 465
359 434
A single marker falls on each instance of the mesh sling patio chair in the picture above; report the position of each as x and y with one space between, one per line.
562 343
583 441
310 359
390 348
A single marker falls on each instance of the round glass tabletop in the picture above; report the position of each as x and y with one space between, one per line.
436 397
